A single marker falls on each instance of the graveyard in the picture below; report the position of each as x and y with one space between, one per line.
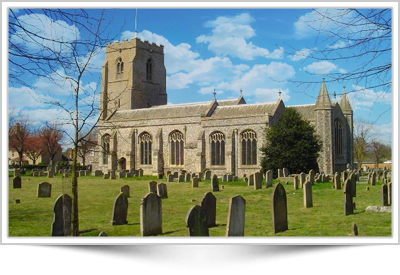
33 215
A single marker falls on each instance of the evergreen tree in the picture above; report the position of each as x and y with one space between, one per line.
292 143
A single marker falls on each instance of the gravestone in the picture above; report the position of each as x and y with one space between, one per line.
207 175
285 172
196 222
280 173
389 185
230 177
62 216
66 174
128 175
35 174
153 187
103 234
307 195
106 176
44 190
112 175
373 178
246 179
140 172
257 180
195 182
348 198
126 190
181 178
209 204
225 178
251 180
200 176
120 210
82 173
311 175
168 173
170 178
336 181
17 173
354 229
176 175
279 209
17 182
302 179
384 190
236 217
50 174
160 176
121 174
151 215
235 178
214 183
268 179
187 177
296 182
162 191
352 178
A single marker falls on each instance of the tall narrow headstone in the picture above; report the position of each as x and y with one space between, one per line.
170 178
389 185
302 179
230 177
151 215
373 178
120 210
384 190
140 172
44 190
153 187
187 177
348 198
181 178
251 180
236 217
196 222
352 178
176 175
280 173
279 209
195 182
162 191
207 175
200 176
215 184
126 190
311 174
257 180
296 182
112 175
307 195
336 181
62 216
225 178
268 179
50 174
17 182
285 172
209 204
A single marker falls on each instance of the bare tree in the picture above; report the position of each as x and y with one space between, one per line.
51 137
18 135
379 152
87 144
34 145
361 146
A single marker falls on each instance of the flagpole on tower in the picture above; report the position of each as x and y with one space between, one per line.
136 25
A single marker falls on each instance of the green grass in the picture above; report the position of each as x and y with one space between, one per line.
34 216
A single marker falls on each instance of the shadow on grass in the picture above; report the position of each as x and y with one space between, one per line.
169 232
136 223
87 230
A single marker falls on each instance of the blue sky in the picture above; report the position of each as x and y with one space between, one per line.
257 50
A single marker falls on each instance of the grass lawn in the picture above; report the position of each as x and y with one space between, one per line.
34 216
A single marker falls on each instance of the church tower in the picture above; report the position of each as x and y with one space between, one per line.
323 115
348 113
133 77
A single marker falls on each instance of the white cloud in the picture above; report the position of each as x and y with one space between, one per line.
302 54
338 45
342 71
96 60
31 98
56 83
321 67
366 98
276 54
381 133
229 37
270 95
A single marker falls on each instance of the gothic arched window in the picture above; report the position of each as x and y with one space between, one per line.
249 147
120 66
145 141
177 145
338 138
217 143
105 143
149 70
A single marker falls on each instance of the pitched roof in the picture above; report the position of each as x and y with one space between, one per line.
244 110
306 111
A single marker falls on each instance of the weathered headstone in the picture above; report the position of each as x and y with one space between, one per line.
215 184
44 190
187 177
354 229
373 178
162 191
225 178
120 210
280 173
153 187
230 177
251 180
235 178
311 175
268 179
209 204
140 172
106 176
246 179
196 222
389 185
236 216
257 180
279 209
160 176
336 181
35 174
352 178
103 234
201 176
121 174
82 173
384 190
151 215
112 175
195 182
348 198
296 182
207 175
285 172
17 182
307 195
170 178
302 179
97 173
126 190
62 216
181 178
176 175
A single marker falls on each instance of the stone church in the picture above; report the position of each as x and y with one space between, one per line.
138 129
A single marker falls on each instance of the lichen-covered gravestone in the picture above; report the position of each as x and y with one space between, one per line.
336 181
44 190
162 191
187 177
348 198
153 187
373 178
120 210
50 174
279 209
62 216
251 180
195 182
215 184
225 178
170 178
311 174
209 204
296 182
302 179
307 194
236 216
207 175
196 222
140 172
257 180
17 182
268 179
285 172
126 190
280 173
384 190
151 215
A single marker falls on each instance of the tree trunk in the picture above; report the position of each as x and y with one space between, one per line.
20 155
